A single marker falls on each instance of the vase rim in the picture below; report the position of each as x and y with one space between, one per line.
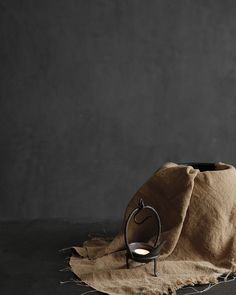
208 166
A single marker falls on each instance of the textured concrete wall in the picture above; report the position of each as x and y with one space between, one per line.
95 95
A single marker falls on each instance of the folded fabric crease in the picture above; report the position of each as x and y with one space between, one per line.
198 216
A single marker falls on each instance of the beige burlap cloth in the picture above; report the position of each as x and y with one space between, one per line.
198 215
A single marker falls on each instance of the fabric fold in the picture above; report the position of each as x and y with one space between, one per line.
198 215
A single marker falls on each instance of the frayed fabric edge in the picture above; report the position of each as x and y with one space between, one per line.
212 281
230 277
188 285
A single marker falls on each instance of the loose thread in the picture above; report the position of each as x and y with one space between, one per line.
75 281
210 286
190 287
92 291
64 249
66 282
82 285
228 274
198 291
65 269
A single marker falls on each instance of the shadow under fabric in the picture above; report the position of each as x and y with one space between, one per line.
198 216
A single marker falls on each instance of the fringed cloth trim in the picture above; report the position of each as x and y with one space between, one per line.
187 284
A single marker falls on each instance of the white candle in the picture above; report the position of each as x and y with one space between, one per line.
141 251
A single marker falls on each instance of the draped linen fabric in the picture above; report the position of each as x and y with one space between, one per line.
198 215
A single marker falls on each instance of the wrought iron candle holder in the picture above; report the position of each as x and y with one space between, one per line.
141 251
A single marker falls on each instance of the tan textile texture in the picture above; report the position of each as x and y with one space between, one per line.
198 216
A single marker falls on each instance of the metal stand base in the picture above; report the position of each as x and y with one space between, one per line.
154 265
127 260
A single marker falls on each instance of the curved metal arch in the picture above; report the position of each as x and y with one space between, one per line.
134 214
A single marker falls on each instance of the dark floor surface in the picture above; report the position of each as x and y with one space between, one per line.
30 260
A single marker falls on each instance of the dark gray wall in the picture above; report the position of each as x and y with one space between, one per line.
95 95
